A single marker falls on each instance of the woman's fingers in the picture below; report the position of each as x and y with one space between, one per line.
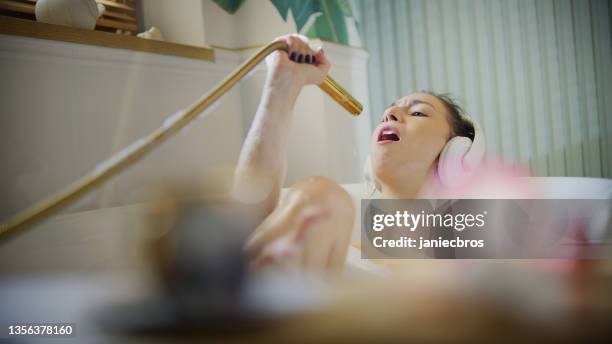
320 58
299 51
295 46
309 65
302 57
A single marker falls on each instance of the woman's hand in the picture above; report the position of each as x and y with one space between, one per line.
300 66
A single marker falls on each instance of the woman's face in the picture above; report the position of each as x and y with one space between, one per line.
409 138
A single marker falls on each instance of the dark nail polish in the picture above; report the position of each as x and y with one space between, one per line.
307 59
292 56
300 58
314 59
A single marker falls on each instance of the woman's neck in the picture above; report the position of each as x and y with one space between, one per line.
425 186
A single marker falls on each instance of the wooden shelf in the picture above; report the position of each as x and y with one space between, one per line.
116 24
17 6
117 5
28 28
117 15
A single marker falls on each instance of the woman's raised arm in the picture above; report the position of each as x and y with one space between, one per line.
260 171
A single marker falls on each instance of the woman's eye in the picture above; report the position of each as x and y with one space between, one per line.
418 114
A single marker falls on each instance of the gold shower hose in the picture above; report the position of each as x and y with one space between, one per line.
140 148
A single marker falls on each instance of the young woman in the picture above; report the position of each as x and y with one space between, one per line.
311 225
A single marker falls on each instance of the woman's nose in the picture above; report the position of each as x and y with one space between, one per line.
389 117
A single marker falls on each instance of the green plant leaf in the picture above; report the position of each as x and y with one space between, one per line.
344 7
301 10
331 25
230 6
282 6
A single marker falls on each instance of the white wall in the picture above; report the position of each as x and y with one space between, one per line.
66 107
219 24
256 23
179 21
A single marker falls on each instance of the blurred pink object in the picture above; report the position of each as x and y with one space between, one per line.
494 179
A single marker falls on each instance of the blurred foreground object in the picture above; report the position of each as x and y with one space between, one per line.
199 269
199 289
